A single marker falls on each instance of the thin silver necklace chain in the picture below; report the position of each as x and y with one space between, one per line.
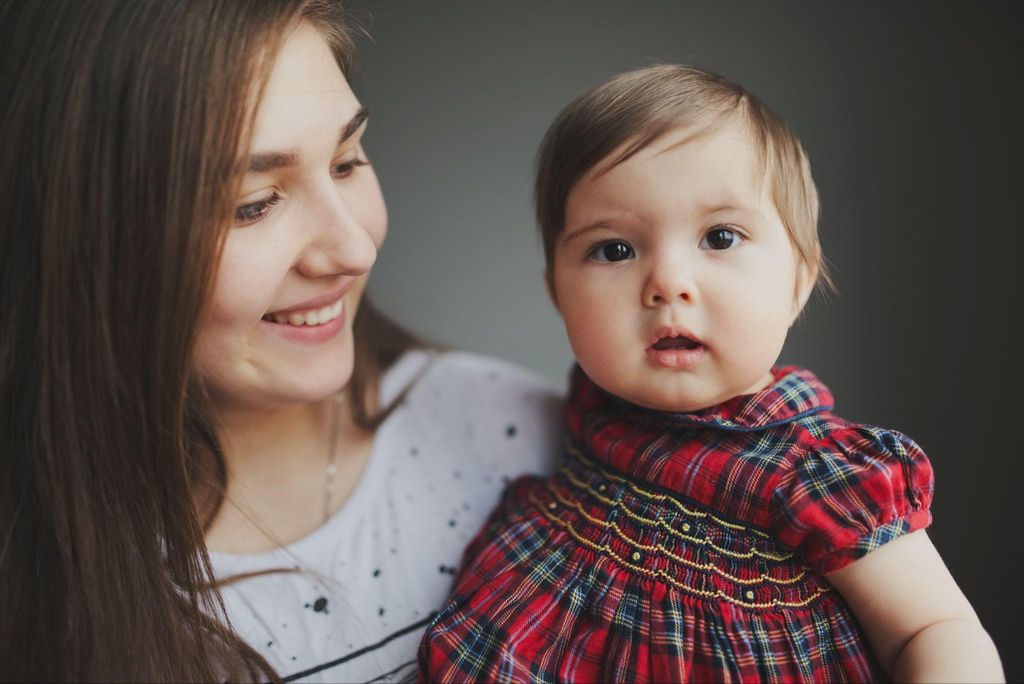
332 446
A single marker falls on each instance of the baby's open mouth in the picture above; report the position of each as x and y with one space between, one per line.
673 347
678 342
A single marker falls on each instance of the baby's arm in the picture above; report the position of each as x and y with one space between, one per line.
920 625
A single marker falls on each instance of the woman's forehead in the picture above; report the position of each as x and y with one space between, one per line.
307 99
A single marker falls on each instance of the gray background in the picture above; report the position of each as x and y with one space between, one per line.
911 114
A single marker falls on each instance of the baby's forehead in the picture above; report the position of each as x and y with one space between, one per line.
731 133
711 167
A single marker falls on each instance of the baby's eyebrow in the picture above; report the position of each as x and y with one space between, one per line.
714 209
741 210
588 228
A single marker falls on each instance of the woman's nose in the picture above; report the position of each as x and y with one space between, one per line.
669 282
339 243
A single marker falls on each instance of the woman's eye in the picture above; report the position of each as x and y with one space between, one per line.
614 250
345 169
255 211
720 238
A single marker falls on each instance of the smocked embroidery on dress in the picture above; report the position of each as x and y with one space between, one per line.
684 547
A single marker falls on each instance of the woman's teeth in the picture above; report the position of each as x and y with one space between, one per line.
313 317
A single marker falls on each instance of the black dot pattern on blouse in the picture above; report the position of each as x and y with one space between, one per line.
418 488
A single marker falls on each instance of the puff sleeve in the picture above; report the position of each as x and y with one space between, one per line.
840 502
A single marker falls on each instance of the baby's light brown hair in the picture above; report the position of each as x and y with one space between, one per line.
630 111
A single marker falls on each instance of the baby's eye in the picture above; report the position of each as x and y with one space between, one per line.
613 250
719 238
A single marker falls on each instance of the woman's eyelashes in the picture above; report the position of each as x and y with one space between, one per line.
250 213
346 169
255 211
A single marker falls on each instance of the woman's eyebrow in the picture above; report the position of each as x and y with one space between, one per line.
349 129
262 162
268 161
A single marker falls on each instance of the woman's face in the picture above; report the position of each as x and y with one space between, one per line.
308 223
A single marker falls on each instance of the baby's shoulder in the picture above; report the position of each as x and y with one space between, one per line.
839 459
826 435
849 489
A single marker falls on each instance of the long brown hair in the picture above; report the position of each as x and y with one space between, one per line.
121 122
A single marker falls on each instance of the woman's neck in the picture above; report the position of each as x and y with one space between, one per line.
276 462
272 440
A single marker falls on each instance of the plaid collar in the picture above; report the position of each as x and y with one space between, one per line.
795 394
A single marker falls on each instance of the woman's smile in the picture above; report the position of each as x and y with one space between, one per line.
310 317
316 311
310 326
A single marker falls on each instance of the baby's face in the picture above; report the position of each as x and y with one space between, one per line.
675 276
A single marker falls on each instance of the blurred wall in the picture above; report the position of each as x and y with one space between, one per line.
911 114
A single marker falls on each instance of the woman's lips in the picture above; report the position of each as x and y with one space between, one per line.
315 302
308 317
306 333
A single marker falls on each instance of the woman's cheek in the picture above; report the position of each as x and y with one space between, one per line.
247 280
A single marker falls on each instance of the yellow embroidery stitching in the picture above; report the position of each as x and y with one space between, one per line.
718 593
658 547
652 521
661 497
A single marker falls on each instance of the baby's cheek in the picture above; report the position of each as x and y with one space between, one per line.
593 333
589 354
758 343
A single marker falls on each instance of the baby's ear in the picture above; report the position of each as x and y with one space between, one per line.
549 281
806 276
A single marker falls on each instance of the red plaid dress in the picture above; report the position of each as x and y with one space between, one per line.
684 547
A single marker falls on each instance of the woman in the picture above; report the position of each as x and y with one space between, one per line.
187 221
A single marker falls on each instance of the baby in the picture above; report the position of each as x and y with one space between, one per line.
713 521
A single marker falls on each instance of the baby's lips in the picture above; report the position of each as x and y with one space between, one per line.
665 335
675 342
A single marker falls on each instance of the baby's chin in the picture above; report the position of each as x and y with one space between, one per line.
670 404
671 396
